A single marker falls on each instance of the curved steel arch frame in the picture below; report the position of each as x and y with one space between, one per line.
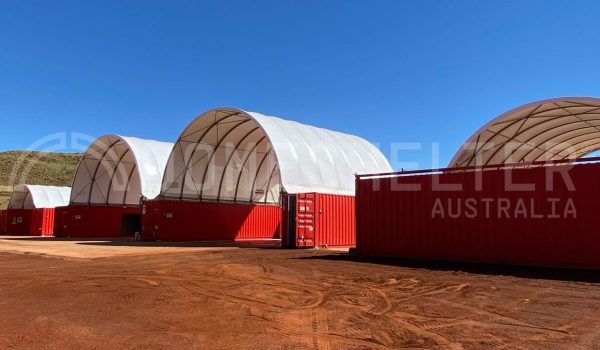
135 165
558 123
221 134
230 155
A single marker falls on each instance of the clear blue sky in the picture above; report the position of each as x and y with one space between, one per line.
389 71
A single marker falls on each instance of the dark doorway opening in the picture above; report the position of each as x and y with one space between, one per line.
131 224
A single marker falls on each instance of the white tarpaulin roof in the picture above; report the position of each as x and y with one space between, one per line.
228 154
37 197
554 129
118 170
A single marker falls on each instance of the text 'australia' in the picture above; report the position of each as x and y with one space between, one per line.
504 208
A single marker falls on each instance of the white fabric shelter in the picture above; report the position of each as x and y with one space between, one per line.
231 155
118 170
38 197
553 129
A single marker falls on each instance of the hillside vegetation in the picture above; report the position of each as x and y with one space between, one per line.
35 168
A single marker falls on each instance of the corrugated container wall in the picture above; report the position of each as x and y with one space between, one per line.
97 221
318 220
306 220
336 221
18 222
553 223
42 222
207 221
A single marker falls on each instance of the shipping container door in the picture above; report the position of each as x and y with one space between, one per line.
61 221
151 215
146 223
305 220
50 218
37 222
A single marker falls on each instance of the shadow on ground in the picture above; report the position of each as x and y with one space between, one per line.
199 244
557 274
131 242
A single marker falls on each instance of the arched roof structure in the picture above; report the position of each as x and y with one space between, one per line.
231 155
119 170
553 129
37 197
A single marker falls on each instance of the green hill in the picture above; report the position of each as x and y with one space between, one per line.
35 168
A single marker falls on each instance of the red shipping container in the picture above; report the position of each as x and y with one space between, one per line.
318 220
29 222
312 220
97 221
538 214
206 221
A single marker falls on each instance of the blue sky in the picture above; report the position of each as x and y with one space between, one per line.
389 71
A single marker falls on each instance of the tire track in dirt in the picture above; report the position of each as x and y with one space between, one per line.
440 340
506 320
428 291
320 326
279 299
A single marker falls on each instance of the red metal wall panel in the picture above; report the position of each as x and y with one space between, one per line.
552 225
48 229
335 223
18 222
332 221
42 222
201 221
321 220
91 221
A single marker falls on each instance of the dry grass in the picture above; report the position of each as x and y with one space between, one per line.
37 168
4 196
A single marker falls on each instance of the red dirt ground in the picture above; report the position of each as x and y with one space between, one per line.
242 298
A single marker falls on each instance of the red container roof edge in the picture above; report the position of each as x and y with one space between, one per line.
481 167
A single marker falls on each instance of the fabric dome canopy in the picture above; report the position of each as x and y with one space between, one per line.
228 154
37 197
118 170
553 129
